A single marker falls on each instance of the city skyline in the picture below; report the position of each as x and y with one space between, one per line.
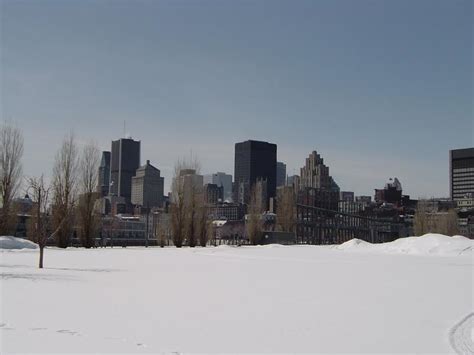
378 93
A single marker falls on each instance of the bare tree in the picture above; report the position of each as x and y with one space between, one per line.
177 208
427 220
286 209
162 230
253 223
445 223
195 211
420 220
88 217
191 219
203 224
11 152
39 225
186 192
64 189
161 227
452 223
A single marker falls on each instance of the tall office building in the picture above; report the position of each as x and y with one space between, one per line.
222 180
254 160
281 174
461 173
316 175
104 175
125 160
147 186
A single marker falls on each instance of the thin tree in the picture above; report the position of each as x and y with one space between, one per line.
88 217
452 223
39 225
162 230
445 223
191 219
11 152
253 223
194 203
203 224
185 194
64 189
286 209
177 208
420 220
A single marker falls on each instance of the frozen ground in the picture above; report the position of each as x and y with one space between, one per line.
239 299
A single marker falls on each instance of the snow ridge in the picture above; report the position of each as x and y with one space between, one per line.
9 242
460 336
428 244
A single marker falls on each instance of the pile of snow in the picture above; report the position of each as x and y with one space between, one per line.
354 244
428 244
9 242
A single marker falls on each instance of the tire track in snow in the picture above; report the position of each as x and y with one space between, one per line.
460 336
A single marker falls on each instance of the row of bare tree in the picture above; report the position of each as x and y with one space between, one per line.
428 221
189 214
68 200
11 152
190 224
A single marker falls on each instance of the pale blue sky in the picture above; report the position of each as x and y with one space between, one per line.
379 88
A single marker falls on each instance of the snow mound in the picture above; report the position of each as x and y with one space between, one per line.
9 242
353 243
428 244
273 245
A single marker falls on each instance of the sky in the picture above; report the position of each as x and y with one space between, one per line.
379 88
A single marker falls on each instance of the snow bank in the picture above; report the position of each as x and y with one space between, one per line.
9 242
428 244
354 244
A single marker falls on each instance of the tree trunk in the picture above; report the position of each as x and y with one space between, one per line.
41 257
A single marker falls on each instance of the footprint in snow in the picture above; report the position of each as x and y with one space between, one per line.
67 331
5 326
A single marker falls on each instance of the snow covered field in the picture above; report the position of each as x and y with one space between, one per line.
273 298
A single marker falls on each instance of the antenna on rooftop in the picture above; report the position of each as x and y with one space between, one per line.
124 129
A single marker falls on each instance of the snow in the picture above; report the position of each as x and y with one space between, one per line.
236 299
9 242
428 244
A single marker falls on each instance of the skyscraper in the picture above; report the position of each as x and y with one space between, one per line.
461 173
104 175
281 174
147 186
254 160
221 179
125 160
316 175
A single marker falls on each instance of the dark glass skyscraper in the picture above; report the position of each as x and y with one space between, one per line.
281 174
125 161
254 160
461 172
